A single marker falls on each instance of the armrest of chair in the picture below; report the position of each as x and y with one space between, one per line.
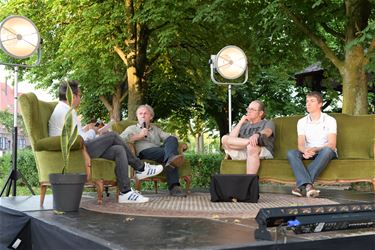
52 143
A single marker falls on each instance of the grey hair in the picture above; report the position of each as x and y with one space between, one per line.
148 107
261 107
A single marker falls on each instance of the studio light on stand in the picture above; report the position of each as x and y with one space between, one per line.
231 64
20 39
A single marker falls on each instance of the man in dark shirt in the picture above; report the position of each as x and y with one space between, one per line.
252 138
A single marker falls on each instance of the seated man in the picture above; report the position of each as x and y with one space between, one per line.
108 146
316 141
252 138
148 139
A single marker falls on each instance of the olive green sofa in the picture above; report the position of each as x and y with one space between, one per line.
184 172
47 150
355 147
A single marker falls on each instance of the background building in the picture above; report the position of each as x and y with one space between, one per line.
7 104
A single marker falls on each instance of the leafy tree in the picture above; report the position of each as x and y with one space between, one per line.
6 119
290 32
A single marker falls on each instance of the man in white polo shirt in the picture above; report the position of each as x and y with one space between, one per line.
316 141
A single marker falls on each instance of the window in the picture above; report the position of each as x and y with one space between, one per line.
21 143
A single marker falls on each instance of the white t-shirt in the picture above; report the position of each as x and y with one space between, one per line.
316 132
56 122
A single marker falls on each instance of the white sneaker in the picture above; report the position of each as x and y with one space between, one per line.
150 170
132 197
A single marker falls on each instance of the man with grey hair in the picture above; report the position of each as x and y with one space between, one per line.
152 143
252 138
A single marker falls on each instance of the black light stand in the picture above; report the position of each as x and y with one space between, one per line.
19 38
14 174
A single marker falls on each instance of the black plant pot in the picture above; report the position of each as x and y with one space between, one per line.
67 191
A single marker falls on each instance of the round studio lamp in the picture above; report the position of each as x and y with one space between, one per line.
19 37
231 62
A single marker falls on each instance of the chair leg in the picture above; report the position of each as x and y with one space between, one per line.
156 186
99 190
138 185
43 189
117 193
187 179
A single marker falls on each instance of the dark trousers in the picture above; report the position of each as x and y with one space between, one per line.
110 146
162 155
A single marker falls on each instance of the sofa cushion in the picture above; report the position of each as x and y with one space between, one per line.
285 135
280 170
355 136
53 143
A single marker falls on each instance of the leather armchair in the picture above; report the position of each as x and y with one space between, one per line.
47 150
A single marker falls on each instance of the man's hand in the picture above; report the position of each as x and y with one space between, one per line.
244 119
309 153
143 133
253 140
91 126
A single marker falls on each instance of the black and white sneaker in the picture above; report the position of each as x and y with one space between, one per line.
150 170
132 197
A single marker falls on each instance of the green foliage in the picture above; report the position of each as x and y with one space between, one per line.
69 133
6 119
25 164
203 167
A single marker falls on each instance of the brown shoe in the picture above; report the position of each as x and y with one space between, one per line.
297 192
176 191
176 161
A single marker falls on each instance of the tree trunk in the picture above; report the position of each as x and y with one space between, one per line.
114 108
134 97
199 143
352 69
355 82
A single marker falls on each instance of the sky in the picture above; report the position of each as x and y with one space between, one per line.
25 87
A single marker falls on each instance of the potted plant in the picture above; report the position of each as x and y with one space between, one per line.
67 187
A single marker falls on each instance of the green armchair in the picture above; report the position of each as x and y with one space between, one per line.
47 150
184 171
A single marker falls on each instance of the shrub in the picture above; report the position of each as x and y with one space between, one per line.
203 167
25 164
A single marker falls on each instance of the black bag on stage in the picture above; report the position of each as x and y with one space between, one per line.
235 187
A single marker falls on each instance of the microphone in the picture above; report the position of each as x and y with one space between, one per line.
144 126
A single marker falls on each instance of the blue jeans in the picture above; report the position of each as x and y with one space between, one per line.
308 175
162 155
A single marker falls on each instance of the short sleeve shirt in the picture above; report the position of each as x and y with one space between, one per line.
316 132
57 120
154 139
248 129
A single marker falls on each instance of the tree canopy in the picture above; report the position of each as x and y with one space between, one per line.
129 52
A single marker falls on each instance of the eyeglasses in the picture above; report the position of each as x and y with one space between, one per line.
251 109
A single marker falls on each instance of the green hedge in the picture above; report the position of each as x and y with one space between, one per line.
203 167
25 164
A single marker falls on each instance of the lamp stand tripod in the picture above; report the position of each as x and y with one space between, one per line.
19 38
14 174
